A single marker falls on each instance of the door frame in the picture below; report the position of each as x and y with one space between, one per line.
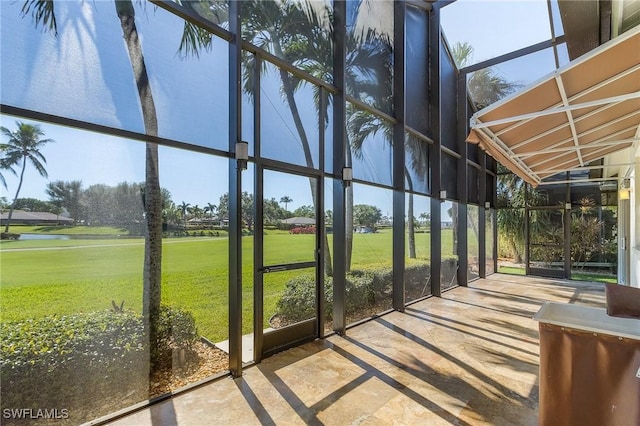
266 344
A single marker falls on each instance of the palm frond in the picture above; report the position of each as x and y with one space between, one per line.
194 39
37 164
43 13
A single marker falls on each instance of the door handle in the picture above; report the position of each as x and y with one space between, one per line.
268 269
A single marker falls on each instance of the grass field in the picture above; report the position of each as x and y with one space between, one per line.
45 277
575 275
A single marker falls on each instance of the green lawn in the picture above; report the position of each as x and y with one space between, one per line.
580 276
45 277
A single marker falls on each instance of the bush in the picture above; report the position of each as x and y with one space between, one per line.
298 301
52 342
90 364
417 281
364 289
177 332
303 230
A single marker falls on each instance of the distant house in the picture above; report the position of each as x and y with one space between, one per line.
299 221
21 217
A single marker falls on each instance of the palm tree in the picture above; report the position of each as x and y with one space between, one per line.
485 86
24 146
286 200
171 214
511 216
4 165
184 208
426 217
363 125
196 212
67 195
211 209
43 13
297 32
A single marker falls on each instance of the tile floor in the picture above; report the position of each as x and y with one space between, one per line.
468 358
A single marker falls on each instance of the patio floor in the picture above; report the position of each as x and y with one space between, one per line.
468 358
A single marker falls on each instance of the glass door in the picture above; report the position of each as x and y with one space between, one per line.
286 258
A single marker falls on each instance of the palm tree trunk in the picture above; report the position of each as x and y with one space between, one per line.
454 219
517 257
410 222
15 199
152 278
288 89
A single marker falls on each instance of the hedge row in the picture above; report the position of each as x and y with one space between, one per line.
364 289
90 364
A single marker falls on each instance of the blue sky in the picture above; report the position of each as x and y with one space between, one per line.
85 74
497 27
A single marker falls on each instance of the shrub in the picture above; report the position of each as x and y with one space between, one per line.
177 332
298 301
303 230
88 363
417 281
364 289
359 290
54 341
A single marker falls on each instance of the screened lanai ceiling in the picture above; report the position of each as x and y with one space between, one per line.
580 113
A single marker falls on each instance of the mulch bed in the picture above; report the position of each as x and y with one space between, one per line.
209 361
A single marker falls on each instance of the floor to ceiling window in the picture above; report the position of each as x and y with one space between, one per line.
140 238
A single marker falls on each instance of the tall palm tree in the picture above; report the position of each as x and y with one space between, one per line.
184 209
43 13
363 125
23 146
298 31
286 200
211 209
295 31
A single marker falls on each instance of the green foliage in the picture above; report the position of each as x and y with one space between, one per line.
248 208
486 85
77 361
35 205
66 195
590 236
103 354
305 211
176 331
52 342
298 300
367 215
365 289
417 279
